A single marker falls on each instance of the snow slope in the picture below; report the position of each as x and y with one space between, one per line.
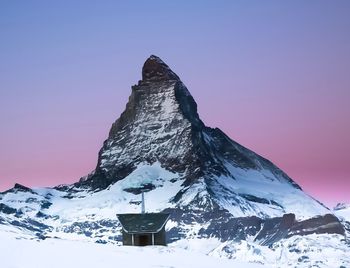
58 253
342 211
93 214
322 251
279 198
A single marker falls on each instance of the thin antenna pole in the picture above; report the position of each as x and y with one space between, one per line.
143 203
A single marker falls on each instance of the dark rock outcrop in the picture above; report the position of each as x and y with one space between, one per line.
326 224
155 70
19 188
6 209
219 223
276 229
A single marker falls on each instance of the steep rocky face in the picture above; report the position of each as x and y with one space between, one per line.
161 126
160 123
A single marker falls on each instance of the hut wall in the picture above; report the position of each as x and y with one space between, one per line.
145 239
127 239
160 238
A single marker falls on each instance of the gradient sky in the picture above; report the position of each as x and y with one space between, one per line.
273 75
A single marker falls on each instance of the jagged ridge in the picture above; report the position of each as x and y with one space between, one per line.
161 124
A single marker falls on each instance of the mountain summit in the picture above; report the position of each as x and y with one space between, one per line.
160 125
154 69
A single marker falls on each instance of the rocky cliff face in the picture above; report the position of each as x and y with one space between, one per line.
161 125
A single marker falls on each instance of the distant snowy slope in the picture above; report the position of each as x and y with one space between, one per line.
342 210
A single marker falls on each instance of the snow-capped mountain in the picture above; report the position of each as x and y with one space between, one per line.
160 130
213 187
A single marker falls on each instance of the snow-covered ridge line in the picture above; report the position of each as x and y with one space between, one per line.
92 215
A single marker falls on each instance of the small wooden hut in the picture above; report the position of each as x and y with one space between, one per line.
143 229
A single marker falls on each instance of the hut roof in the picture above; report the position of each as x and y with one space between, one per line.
143 223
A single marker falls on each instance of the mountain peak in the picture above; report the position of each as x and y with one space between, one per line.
161 126
155 70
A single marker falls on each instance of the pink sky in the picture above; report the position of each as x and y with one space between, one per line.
273 76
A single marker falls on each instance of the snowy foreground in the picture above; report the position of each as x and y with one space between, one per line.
24 253
21 251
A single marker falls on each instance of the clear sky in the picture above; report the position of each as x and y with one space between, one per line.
273 75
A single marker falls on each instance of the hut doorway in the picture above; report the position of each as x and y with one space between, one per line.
143 229
144 240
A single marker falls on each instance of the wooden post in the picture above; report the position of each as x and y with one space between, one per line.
143 203
132 240
152 239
